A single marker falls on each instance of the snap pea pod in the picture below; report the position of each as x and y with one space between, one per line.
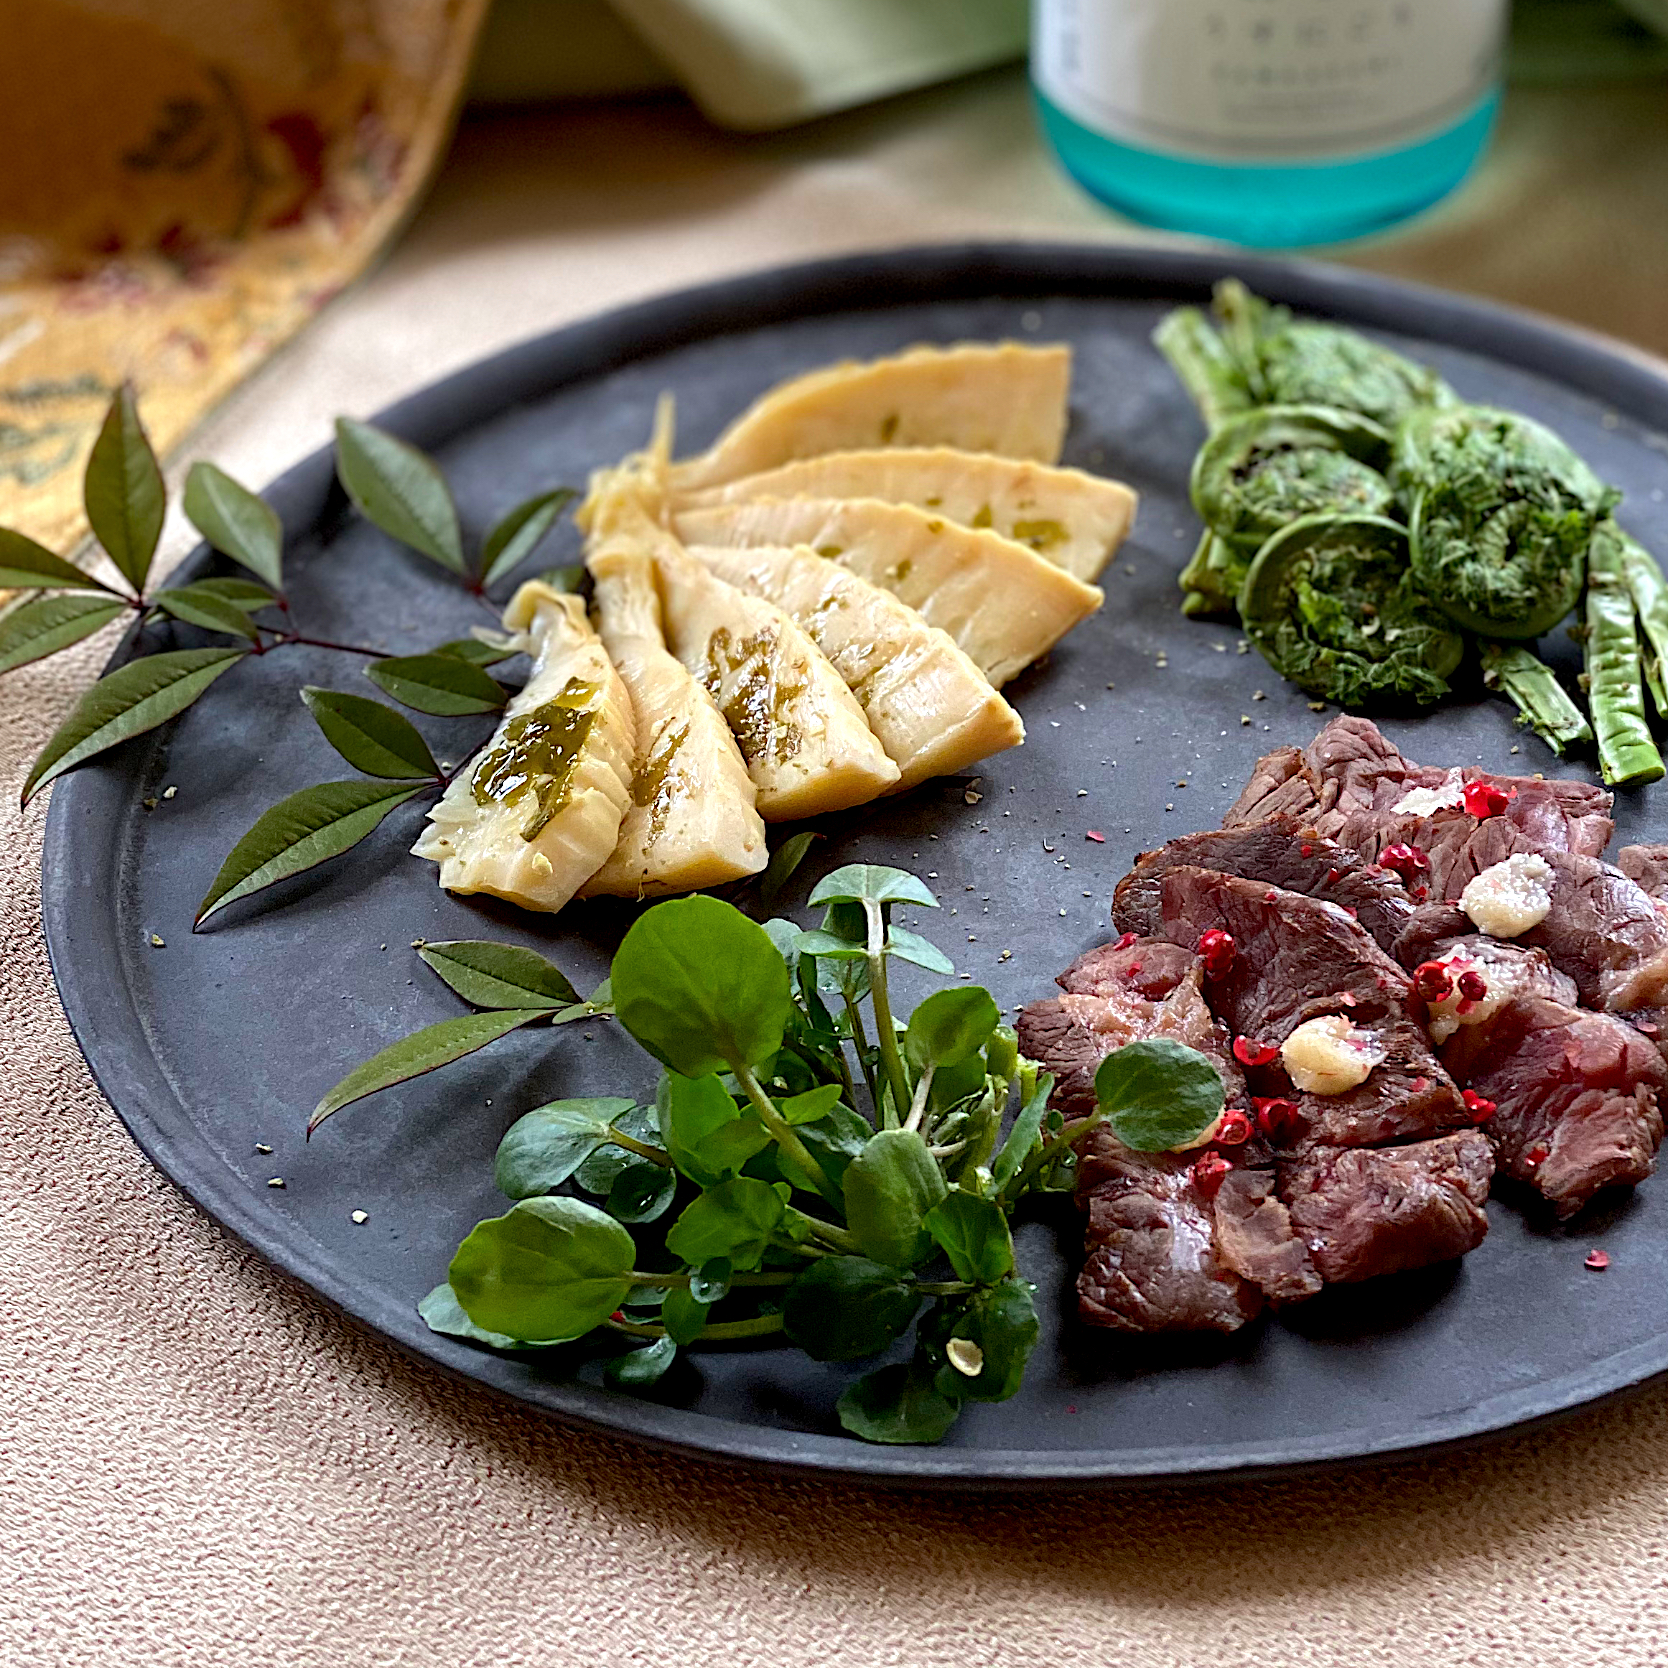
1650 598
1615 690
1544 705
1501 513
1330 604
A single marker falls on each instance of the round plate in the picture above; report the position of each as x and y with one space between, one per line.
1142 725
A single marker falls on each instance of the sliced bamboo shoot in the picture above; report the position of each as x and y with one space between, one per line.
1001 603
927 703
1073 519
539 811
691 822
1003 397
808 747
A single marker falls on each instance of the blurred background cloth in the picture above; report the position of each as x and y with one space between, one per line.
189 181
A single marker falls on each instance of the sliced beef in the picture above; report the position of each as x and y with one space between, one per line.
1281 852
1255 1237
1296 959
1576 1095
1646 867
1153 1263
1350 781
1113 995
1365 1212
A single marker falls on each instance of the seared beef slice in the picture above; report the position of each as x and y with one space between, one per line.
1281 852
1576 1094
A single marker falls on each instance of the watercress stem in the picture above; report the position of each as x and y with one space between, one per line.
758 1327
1049 1151
860 1039
886 1033
768 1277
643 1150
918 1106
785 1137
943 1288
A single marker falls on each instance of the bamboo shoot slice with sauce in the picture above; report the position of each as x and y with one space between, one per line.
1002 397
1002 604
808 747
929 706
692 821
539 810
1071 518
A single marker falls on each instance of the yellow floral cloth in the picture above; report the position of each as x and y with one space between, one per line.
186 183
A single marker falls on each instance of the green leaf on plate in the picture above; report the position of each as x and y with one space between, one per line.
1024 1135
38 626
950 1025
639 1367
898 1404
400 489
912 947
236 522
548 1270
27 566
542 1148
127 702
248 594
440 684
597 1174
842 1308
423 1051
1158 1094
444 1313
707 1135
123 491
371 737
642 1191
491 975
889 1187
299 833
683 1315
734 1220
475 651
783 862
1001 1322
667 997
973 1233
206 609
813 1104
872 883
517 535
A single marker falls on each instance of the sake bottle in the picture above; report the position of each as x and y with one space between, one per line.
1268 122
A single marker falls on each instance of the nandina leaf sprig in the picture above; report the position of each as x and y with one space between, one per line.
399 489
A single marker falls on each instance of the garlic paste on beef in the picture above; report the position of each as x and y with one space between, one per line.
1509 897
1329 1056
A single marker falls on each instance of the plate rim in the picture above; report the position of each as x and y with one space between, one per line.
111 1032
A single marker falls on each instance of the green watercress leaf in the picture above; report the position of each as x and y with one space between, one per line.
597 1173
518 534
809 1107
783 862
423 1051
487 974
898 1404
444 1313
123 491
542 1148
973 1233
950 1026
1158 1094
710 1283
829 946
27 566
400 489
642 1191
683 1315
299 833
836 1139
889 1187
701 987
638 1368
1024 1135
872 883
206 609
734 1219
439 684
549 1270
912 947
843 1308
708 1136
125 703
38 626
1001 1321
236 522
371 737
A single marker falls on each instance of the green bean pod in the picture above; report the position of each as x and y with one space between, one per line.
1544 705
1615 688
1501 513
1330 604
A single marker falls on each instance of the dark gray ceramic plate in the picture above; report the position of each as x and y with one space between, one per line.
215 1042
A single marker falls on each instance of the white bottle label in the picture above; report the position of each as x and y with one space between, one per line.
1267 80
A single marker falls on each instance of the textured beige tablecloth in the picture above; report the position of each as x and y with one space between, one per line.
200 1465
